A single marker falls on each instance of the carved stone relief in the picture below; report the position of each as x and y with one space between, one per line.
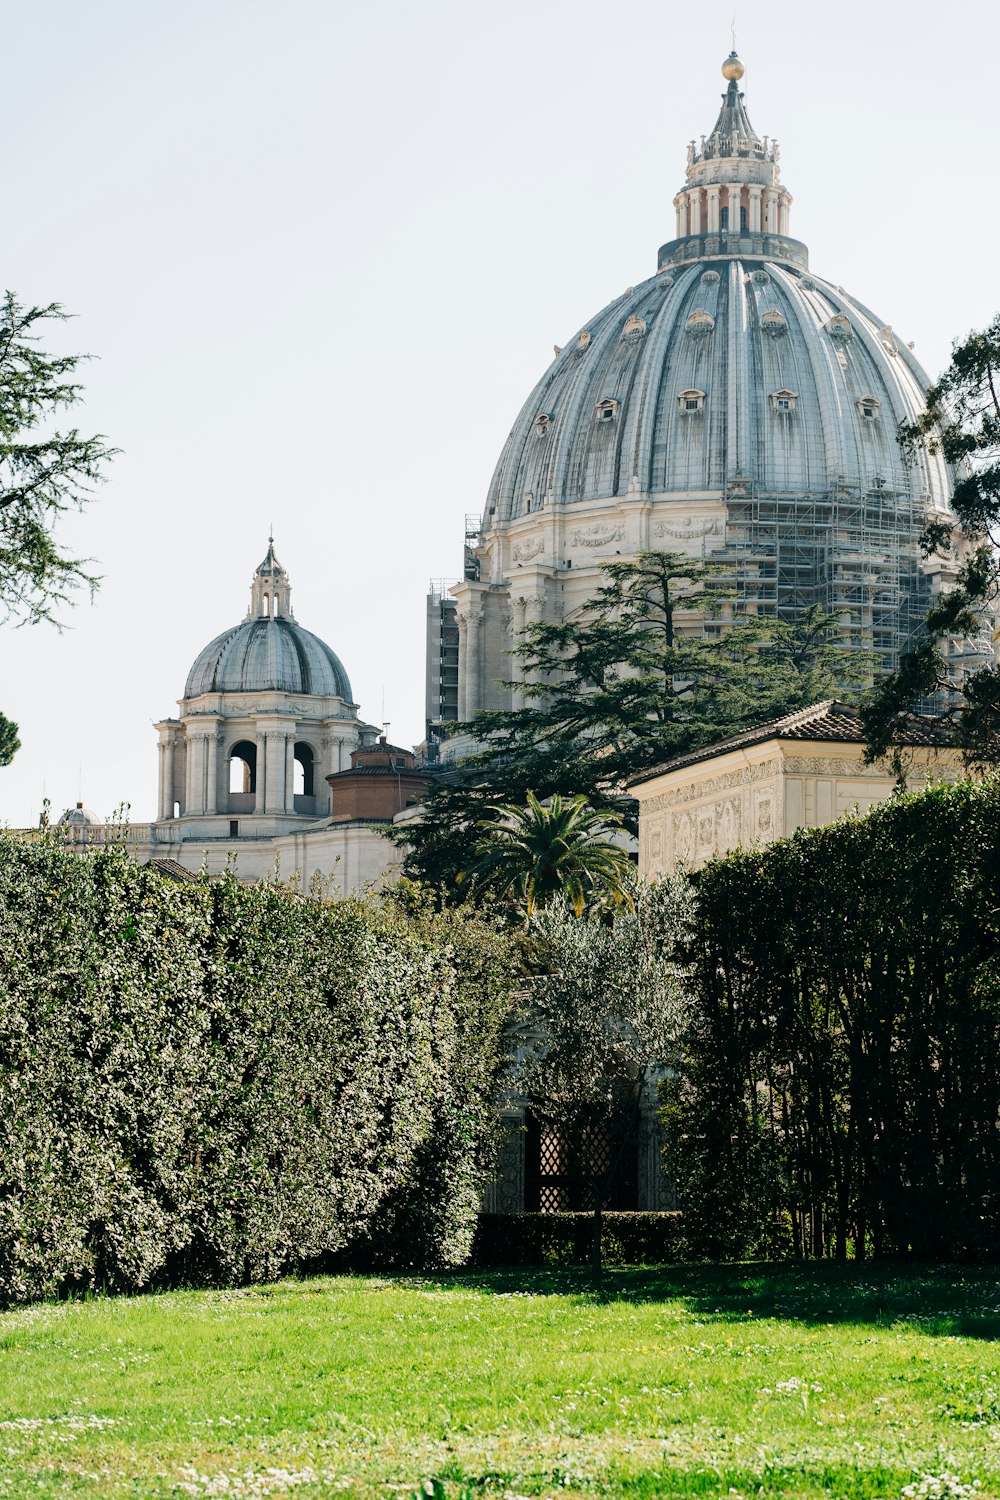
597 536
687 530
713 786
529 548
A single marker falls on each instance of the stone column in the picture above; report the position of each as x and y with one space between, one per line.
534 614
463 638
212 772
783 215
712 194
470 658
770 212
753 208
694 211
194 800
273 786
290 773
734 191
516 668
260 803
680 204
166 778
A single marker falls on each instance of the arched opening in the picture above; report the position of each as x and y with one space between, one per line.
243 776
305 778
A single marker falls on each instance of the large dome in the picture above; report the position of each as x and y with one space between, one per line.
734 407
268 651
268 655
714 369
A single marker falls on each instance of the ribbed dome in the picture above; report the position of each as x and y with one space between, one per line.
719 367
268 655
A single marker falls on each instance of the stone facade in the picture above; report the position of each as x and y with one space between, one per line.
801 772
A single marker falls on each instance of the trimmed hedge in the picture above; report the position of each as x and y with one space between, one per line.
838 1088
565 1239
217 1083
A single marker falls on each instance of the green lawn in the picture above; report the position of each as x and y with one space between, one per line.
738 1381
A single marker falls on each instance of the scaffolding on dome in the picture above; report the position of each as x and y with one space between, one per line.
855 552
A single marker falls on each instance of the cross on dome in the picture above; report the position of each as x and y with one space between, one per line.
270 592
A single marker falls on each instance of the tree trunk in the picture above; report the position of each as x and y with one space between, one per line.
596 1264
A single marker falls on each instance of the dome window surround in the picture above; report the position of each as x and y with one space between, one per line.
840 327
762 278
634 330
710 278
543 423
774 323
606 410
700 324
869 408
783 403
582 344
691 402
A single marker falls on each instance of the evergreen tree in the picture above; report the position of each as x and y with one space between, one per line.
10 742
632 683
43 474
962 424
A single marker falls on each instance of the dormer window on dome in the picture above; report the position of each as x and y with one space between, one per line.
691 403
869 408
840 327
774 323
634 330
542 423
699 324
607 409
784 402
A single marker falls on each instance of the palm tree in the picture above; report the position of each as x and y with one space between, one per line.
544 850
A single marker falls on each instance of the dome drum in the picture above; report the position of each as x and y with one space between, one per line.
724 243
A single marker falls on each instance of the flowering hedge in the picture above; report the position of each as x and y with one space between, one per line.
221 1082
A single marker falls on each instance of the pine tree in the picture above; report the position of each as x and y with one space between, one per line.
43 474
632 683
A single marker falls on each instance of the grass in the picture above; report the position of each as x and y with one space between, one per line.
736 1381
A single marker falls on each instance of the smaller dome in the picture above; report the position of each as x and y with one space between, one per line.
733 68
268 652
80 816
268 655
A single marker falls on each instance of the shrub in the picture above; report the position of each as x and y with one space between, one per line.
221 1082
839 1084
564 1239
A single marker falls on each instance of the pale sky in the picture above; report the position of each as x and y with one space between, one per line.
323 252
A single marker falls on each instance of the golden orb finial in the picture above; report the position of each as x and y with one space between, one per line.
732 68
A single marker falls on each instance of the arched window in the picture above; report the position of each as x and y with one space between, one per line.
869 407
305 770
243 768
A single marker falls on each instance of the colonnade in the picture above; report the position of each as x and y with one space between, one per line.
699 209
206 744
